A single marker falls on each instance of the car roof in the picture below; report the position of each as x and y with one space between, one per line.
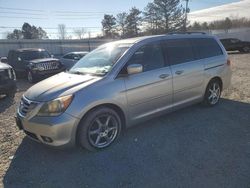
29 49
162 37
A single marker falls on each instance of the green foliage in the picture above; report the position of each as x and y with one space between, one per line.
108 25
121 23
28 32
158 17
171 14
133 22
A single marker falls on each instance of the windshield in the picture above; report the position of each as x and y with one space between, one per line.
35 55
99 61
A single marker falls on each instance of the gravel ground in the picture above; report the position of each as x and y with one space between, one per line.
193 147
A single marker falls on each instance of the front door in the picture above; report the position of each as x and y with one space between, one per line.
149 92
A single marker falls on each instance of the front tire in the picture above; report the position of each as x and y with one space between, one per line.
30 77
213 93
99 129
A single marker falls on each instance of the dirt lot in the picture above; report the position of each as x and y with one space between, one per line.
193 147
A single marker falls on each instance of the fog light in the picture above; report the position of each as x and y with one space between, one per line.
47 139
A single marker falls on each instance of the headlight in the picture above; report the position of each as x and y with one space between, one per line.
56 106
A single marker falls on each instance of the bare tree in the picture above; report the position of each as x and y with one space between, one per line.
62 32
80 33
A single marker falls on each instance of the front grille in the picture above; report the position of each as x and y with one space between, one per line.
26 106
48 65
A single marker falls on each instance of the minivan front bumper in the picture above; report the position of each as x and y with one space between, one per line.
53 131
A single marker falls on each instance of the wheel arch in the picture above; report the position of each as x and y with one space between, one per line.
112 106
218 79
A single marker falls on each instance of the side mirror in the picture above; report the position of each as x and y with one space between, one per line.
19 59
134 69
4 60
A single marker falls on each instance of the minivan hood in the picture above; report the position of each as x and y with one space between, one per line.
57 85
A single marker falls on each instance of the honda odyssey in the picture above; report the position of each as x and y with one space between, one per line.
122 83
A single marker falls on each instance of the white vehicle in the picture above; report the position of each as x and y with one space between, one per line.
71 58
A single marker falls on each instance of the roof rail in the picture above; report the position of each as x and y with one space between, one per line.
187 32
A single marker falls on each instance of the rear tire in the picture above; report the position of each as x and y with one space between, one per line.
99 129
213 93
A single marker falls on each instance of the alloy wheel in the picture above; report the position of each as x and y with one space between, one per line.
214 93
103 131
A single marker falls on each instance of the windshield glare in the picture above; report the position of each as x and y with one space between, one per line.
35 55
99 61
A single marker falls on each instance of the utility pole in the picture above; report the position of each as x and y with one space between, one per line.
186 12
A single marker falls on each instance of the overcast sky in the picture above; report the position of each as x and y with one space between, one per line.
89 13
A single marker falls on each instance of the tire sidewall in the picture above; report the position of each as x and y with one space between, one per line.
206 101
84 126
29 73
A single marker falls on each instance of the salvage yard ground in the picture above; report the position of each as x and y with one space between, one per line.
193 147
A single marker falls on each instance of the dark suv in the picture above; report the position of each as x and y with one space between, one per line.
232 44
34 63
7 80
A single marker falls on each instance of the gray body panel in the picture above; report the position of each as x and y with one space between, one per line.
139 96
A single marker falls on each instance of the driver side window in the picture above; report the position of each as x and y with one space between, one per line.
149 56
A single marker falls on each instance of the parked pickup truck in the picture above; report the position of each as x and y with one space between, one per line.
34 63
232 44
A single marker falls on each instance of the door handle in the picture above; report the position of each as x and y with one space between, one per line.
179 72
163 76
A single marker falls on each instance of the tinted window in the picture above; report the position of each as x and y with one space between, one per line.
68 56
235 40
206 47
30 55
179 51
150 56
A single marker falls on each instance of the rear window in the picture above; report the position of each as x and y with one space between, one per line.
178 51
206 47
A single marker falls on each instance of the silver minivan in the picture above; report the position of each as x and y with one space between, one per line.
122 83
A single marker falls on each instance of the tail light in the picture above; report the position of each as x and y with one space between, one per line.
228 62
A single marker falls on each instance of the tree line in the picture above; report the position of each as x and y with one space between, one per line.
225 24
28 32
158 17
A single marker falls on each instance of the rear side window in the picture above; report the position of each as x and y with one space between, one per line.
206 47
149 56
178 51
68 56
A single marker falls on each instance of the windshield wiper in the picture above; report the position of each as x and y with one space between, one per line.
77 72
